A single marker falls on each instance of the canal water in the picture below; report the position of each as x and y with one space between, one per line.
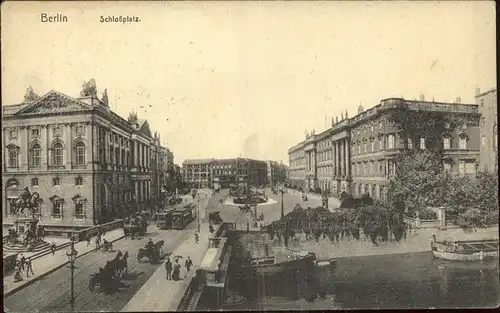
414 280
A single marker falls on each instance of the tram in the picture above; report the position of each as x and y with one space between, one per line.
164 219
181 218
176 218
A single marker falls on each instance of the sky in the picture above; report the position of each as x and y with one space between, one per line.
247 79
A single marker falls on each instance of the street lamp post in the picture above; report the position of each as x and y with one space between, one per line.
71 254
282 204
198 196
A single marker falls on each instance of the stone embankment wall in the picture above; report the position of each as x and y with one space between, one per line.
417 241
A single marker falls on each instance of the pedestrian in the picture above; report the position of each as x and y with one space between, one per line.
18 276
98 242
89 237
188 265
53 248
168 268
196 237
22 261
29 268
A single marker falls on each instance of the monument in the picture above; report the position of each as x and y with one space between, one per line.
27 234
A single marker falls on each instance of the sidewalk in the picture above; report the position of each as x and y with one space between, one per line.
160 294
49 263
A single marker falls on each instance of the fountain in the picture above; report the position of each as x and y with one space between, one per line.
27 225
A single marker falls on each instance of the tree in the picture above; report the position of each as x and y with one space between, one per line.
419 181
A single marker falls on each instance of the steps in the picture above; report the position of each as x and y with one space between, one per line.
17 248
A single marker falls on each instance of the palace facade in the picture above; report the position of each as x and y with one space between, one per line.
355 155
88 164
487 104
223 173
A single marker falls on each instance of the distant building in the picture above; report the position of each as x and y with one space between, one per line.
88 164
276 172
223 173
487 105
356 154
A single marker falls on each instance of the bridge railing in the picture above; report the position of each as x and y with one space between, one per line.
94 230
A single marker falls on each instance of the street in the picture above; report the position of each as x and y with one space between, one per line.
52 293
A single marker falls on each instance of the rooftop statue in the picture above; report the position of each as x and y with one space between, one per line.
105 100
30 95
336 119
360 109
132 118
346 114
341 116
89 89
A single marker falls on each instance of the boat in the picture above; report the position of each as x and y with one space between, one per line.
468 250
284 262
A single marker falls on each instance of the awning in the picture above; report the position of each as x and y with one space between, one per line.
12 197
56 198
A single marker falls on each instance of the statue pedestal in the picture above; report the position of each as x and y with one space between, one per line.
22 224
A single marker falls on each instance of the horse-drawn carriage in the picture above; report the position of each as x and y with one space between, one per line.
135 226
214 218
114 270
174 200
150 251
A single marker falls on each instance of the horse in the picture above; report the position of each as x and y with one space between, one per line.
122 265
115 263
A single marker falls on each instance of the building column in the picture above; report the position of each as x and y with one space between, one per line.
341 158
346 158
333 158
66 129
25 148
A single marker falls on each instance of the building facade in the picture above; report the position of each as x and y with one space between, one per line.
356 155
88 164
223 173
487 104
276 173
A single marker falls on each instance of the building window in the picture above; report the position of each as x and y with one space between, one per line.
447 166
79 209
57 154
463 143
422 143
35 132
56 181
13 134
470 168
78 181
80 130
57 207
392 169
446 143
13 157
483 141
390 141
80 152
36 155
461 167
380 125
373 145
34 182
410 144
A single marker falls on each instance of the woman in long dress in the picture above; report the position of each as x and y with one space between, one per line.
177 271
